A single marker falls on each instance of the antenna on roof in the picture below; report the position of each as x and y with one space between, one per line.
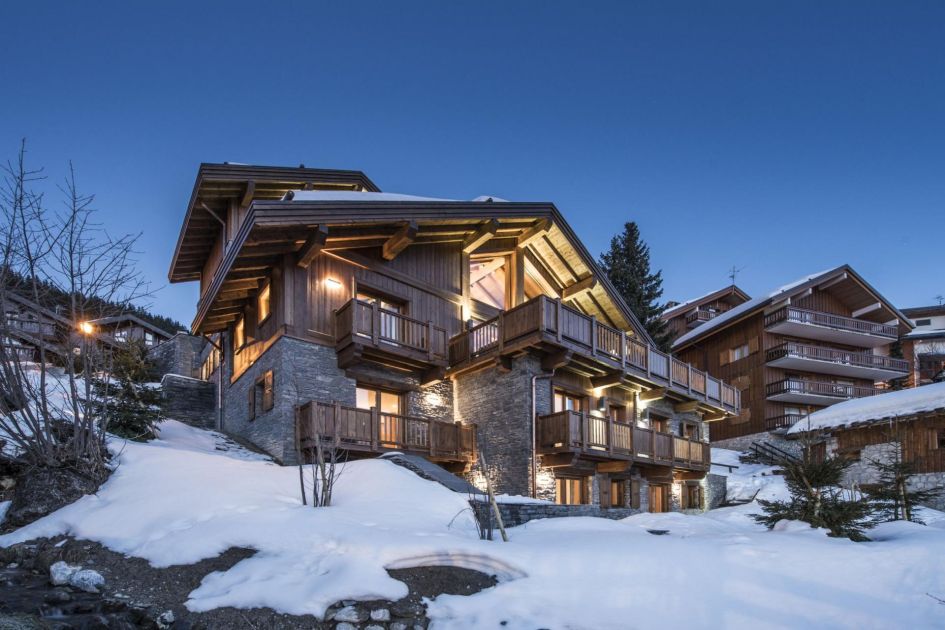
733 273
940 298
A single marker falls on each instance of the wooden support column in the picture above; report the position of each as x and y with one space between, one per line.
518 276
485 232
400 240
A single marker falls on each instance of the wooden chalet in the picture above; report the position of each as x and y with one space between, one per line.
682 317
813 343
374 321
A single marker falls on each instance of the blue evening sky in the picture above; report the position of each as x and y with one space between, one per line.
783 138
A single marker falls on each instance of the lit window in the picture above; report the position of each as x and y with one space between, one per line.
239 333
488 281
570 490
148 338
262 303
564 401
372 398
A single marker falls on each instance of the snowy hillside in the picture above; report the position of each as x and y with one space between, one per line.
189 496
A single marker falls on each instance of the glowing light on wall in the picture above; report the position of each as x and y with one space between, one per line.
86 328
333 284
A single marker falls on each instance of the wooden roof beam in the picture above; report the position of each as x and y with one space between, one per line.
537 230
248 194
313 246
610 379
485 232
212 213
400 240
866 309
579 287
686 407
653 394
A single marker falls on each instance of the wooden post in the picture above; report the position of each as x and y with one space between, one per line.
593 335
375 322
375 428
690 377
430 340
585 432
558 312
623 349
500 333
610 433
653 442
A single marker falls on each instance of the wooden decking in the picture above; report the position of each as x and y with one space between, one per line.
370 431
598 438
548 322
363 328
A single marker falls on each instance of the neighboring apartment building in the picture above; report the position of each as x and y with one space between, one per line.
681 317
438 327
127 327
871 430
926 343
810 344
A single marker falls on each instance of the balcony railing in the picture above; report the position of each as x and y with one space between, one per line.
822 389
794 315
785 421
699 316
604 438
818 353
368 324
550 320
369 430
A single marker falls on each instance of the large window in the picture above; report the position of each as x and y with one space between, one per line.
262 304
571 490
384 401
564 401
488 281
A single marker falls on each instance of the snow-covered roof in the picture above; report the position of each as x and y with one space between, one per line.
747 307
682 305
350 195
925 334
905 402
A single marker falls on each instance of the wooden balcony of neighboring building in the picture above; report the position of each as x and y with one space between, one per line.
602 351
368 431
807 324
699 316
604 439
809 358
365 330
784 421
821 393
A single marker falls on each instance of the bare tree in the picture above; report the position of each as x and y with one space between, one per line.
64 262
318 447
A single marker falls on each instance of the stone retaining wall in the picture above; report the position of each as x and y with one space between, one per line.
515 514
189 400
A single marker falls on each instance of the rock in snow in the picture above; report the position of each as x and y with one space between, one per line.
87 580
350 613
60 572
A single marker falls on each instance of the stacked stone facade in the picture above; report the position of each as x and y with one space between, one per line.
181 354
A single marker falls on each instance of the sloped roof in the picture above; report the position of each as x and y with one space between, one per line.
780 293
873 409
681 307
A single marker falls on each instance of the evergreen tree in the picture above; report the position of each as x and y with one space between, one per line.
818 499
892 498
131 404
627 265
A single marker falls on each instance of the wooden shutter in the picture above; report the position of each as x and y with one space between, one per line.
753 344
605 492
724 357
268 399
252 402
635 494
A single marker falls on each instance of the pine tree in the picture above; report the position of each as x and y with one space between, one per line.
892 498
818 499
627 265
131 405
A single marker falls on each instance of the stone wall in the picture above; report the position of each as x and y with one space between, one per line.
715 487
181 354
189 400
515 514
743 443
863 472
302 371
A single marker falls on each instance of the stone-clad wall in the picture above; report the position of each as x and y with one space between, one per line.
181 354
864 472
189 400
302 371
515 514
499 402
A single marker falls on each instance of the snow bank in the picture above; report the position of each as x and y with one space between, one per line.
871 409
748 481
190 495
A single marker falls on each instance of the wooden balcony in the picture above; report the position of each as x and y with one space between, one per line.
603 439
799 356
697 317
821 393
806 324
364 330
784 421
370 431
549 323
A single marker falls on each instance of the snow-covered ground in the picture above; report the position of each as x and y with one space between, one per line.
747 482
189 495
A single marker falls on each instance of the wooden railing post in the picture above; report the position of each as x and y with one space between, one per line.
430 339
500 333
689 365
585 430
558 312
375 322
375 428
653 441
593 335
610 434
623 349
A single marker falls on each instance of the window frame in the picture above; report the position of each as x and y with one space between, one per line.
569 483
266 291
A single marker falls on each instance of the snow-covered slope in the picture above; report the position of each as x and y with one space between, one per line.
189 496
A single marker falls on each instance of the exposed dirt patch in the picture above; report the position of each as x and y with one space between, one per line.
140 596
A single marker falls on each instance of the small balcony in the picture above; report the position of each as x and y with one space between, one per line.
808 358
784 421
806 324
820 393
364 330
597 438
370 431
698 317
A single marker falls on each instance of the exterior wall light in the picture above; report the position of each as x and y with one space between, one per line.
86 328
333 284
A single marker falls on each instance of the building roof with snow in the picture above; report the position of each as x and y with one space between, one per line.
785 293
678 308
873 409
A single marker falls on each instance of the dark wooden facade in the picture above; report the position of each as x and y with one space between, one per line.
817 343
681 318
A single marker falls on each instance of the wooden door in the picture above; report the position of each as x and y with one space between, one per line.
659 498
